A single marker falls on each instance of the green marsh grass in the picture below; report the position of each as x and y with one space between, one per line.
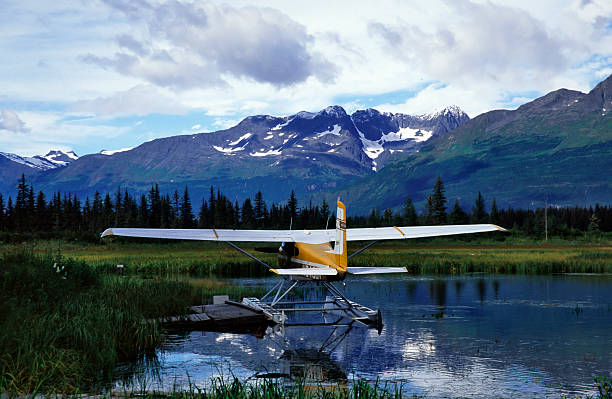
64 328
438 256
230 388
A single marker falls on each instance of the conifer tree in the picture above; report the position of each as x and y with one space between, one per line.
324 211
2 214
479 213
186 211
143 212
292 206
174 216
438 203
494 217
429 210
10 214
258 210
247 217
41 212
203 221
21 206
388 217
410 216
457 215
107 212
119 209
96 213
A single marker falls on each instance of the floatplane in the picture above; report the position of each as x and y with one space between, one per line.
311 256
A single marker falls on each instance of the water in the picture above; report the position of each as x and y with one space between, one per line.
476 336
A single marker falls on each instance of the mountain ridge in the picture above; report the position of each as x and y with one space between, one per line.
312 151
555 149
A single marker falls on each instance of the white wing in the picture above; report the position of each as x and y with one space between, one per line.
396 233
306 236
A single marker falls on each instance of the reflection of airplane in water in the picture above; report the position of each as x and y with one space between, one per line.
312 363
319 256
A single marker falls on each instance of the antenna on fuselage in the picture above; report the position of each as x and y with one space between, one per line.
290 222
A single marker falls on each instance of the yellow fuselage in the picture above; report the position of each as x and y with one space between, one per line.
303 255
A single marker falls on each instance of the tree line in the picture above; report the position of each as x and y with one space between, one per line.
65 212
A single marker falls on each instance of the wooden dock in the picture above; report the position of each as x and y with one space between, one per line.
229 316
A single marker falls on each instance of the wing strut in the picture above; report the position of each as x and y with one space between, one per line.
362 249
236 247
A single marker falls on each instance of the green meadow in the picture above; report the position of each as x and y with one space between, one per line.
495 253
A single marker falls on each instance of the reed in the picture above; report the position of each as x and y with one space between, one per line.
64 324
233 388
423 256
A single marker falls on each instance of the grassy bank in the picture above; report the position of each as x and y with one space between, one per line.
433 256
64 324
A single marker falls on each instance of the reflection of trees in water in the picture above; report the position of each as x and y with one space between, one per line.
481 288
458 288
411 287
310 365
496 288
437 292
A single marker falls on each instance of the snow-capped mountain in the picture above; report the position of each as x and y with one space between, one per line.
52 160
307 151
369 138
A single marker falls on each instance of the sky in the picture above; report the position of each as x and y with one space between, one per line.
105 75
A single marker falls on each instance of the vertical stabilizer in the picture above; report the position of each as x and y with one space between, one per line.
340 240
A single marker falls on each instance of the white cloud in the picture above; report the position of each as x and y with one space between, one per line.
10 122
139 100
186 45
278 57
220 123
50 130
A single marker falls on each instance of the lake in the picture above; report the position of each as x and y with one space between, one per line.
450 336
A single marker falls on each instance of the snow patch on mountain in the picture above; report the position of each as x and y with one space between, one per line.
282 125
262 153
372 148
406 133
112 152
230 150
243 137
306 115
335 131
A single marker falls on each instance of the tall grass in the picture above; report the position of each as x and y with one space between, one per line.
230 388
510 260
64 328
431 256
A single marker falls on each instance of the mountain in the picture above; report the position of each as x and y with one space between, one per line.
52 160
386 134
12 166
307 152
556 149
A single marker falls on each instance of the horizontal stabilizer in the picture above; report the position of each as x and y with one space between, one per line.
306 271
375 270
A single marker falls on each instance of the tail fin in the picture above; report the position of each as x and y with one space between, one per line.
340 242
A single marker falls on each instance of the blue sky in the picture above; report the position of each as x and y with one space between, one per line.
111 74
